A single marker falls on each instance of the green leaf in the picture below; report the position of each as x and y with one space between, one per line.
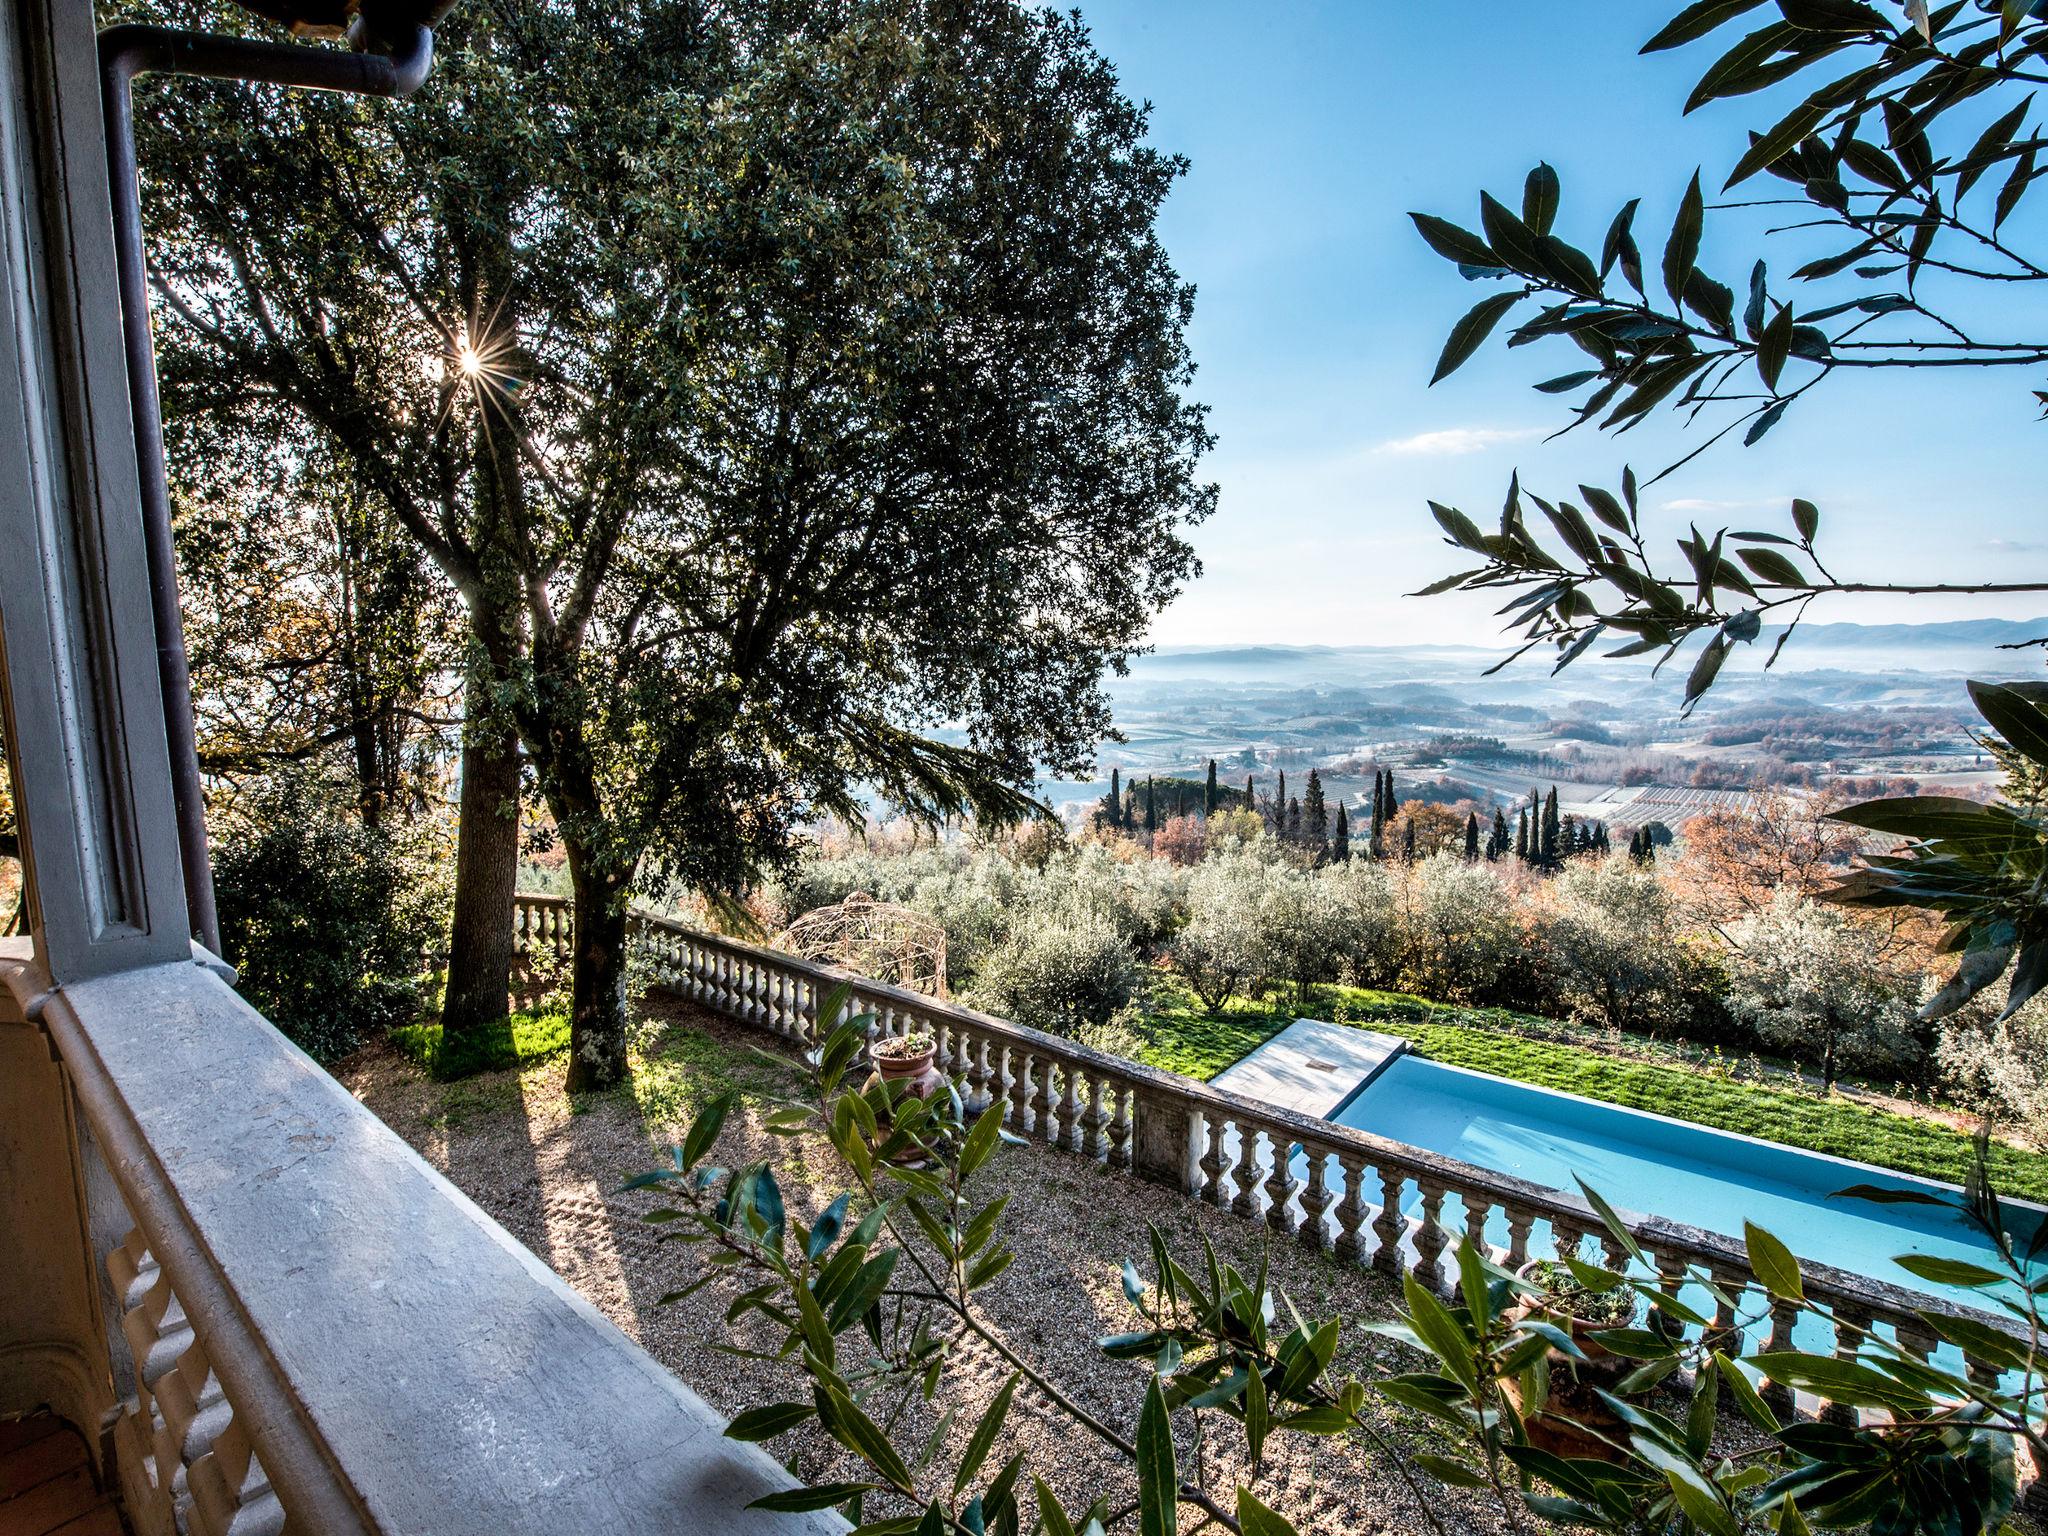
1468 334
1510 237
825 1230
1806 518
1457 244
1772 1263
799 1501
1158 1476
1747 1399
1942 1271
1775 346
1771 146
766 1422
704 1129
1462 530
1611 1220
1696 21
1682 249
860 1434
1539 198
1050 1515
2022 722
1257 1519
1773 567
981 1142
984 1437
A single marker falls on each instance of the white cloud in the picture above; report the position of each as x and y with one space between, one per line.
1456 440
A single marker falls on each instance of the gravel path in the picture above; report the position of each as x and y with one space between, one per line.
550 1172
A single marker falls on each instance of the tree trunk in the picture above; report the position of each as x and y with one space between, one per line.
597 1016
486 875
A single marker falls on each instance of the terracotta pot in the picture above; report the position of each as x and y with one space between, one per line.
919 1074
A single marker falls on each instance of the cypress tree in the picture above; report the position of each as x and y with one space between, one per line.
1471 835
1522 833
1280 806
1113 808
1499 844
1315 814
1180 804
1151 805
1408 842
1249 803
1209 793
1551 828
1340 840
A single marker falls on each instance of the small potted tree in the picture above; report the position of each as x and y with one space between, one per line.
1572 1420
909 1059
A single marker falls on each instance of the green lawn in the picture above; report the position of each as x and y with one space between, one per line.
1187 1038
530 1035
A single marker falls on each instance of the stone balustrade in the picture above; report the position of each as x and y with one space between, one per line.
1365 1199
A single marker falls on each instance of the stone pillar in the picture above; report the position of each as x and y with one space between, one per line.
1161 1137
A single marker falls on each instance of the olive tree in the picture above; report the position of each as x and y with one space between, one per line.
1812 981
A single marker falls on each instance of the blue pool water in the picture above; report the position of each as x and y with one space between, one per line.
1655 1166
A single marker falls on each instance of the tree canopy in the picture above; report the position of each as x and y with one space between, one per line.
795 397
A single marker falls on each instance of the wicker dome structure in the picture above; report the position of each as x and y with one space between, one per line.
871 938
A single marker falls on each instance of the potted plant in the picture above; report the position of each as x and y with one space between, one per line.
1572 1421
908 1059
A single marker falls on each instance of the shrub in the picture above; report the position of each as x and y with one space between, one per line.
1222 947
1060 978
1813 982
314 914
1459 939
1999 1067
1619 956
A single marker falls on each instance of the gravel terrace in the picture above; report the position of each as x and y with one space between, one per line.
550 1172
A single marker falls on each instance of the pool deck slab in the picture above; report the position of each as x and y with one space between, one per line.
1311 1067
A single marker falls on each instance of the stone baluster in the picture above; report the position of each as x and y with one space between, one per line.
1093 1119
1732 1284
1281 1184
1430 1237
1069 1108
1041 1098
1390 1225
1351 1207
1214 1161
1671 1278
1120 1126
231 1493
1851 1322
1568 1236
1784 1314
961 1059
1520 1220
1316 1200
1477 1209
1916 1339
1245 1173
980 1079
1020 1089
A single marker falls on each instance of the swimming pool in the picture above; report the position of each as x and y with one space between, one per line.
1656 1166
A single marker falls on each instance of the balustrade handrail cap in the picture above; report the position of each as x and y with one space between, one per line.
454 1382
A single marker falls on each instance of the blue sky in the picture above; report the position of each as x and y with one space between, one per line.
1313 128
